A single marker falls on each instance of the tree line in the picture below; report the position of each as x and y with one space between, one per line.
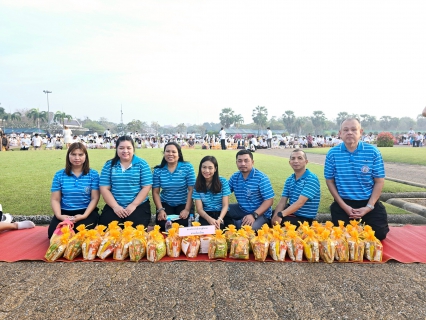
288 122
318 123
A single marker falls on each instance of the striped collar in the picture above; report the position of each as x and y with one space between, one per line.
360 147
251 174
305 174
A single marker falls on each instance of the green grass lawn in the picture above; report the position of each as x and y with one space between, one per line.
26 176
400 154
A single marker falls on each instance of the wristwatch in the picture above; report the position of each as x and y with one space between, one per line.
159 210
370 206
255 215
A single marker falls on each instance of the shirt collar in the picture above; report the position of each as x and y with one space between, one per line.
251 174
72 173
118 164
307 172
358 148
134 160
179 165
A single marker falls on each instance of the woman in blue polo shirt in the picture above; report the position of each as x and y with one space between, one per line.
211 193
75 191
125 183
176 179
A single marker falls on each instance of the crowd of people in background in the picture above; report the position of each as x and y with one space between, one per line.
107 140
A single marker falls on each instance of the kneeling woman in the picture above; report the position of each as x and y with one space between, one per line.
176 178
211 194
75 191
125 183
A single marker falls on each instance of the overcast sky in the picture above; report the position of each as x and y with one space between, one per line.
184 61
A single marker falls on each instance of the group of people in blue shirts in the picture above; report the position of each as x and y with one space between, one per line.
353 175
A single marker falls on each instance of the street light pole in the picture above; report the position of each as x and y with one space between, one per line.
48 110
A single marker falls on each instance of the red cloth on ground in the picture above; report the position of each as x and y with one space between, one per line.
404 244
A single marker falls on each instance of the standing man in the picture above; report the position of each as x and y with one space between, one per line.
411 133
301 193
355 175
421 138
222 135
107 134
253 192
310 140
269 137
4 140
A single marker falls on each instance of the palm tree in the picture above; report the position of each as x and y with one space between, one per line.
260 116
37 116
15 116
318 120
11 116
299 123
238 119
288 120
385 122
4 119
61 116
340 117
226 117
156 126
181 128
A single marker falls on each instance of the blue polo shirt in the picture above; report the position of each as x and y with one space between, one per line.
251 192
126 184
75 191
213 201
307 185
354 172
174 186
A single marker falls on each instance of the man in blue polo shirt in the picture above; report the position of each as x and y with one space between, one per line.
355 175
253 192
301 193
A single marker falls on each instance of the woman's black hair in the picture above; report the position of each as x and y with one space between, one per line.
200 183
163 161
119 140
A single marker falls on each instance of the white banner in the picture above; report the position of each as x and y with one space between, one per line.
196 231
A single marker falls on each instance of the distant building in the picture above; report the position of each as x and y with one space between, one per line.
245 132
72 124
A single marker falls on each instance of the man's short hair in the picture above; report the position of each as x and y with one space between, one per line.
243 152
299 150
350 119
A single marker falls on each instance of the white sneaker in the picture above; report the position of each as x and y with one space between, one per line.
6 217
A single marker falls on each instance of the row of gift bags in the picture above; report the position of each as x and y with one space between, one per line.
327 242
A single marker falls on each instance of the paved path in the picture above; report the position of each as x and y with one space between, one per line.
212 290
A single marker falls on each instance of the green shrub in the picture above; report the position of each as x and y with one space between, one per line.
385 139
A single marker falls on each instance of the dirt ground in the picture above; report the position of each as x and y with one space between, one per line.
212 290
